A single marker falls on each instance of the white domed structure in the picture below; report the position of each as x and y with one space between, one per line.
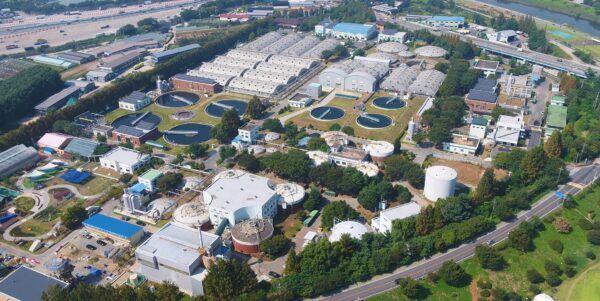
158 208
335 138
431 51
542 297
368 169
440 182
352 228
384 56
270 137
379 150
290 195
192 214
256 149
318 157
406 54
391 47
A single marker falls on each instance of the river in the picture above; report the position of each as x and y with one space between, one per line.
558 18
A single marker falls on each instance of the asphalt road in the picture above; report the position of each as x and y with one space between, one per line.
580 177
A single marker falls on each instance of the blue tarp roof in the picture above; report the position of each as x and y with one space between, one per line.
448 19
353 28
112 226
304 141
138 188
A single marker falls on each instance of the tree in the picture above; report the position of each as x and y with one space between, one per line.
178 159
593 237
335 127
169 181
552 268
145 149
148 25
314 199
454 274
293 165
275 246
348 130
228 279
532 164
520 240
226 151
425 221
485 188
440 133
127 30
273 125
534 276
556 245
74 216
554 145
125 178
489 258
338 209
291 263
358 52
197 150
561 225
409 287
317 143
455 209
248 162
369 197
255 108
228 127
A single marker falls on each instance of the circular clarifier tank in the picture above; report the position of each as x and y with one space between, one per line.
218 108
188 133
388 103
177 99
134 119
374 121
327 113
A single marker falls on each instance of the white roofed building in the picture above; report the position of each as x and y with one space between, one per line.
123 160
383 223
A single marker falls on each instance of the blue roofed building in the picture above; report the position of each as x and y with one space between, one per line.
162 56
446 21
27 284
354 31
116 229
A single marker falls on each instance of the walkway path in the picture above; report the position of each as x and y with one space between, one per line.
323 102
582 275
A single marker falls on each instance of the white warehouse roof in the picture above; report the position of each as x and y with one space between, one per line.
399 79
280 78
255 85
236 62
222 69
292 61
282 44
222 79
248 55
317 50
302 46
263 41
280 68
427 83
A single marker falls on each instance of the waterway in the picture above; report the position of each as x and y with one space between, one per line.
558 18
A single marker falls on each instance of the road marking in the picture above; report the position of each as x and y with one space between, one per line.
577 185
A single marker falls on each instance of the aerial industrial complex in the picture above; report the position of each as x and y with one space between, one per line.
403 132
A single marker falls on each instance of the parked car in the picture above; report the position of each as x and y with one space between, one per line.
101 242
87 236
274 274
140 223
90 247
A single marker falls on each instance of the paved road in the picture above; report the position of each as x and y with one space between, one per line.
580 177
528 55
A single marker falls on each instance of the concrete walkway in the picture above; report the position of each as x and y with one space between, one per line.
322 103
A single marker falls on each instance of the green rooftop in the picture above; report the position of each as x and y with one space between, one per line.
151 174
479 121
559 98
557 116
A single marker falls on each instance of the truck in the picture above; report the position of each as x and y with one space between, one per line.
311 218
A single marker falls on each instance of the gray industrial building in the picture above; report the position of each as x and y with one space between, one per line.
75 57
17 158
178 254
81 147
162 56
361 74
59 99
27 284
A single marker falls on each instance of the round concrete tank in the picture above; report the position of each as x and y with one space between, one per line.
379 150
247 235
440 182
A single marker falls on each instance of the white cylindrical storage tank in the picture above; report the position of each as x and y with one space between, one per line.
318 157
352 228
379 150
368 169
192 214
440 182
290 195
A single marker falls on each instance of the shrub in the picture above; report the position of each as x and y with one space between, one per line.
433 277
553 280
593 236
484 284
552 268
591 255
125 178
585 224
569 260
485 293
534 276
556 245
454 274
535 289
562 225
570 271
275 246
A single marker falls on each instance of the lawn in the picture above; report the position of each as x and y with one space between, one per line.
32 227
94 186
558 52
514 278
24 203
401 118
593 50
434 291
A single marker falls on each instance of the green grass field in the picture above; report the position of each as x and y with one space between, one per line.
593 50
400 118
24 203
558 52
514 278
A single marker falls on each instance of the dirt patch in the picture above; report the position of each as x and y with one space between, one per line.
474 290
468 174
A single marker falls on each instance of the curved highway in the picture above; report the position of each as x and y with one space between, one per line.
580 178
